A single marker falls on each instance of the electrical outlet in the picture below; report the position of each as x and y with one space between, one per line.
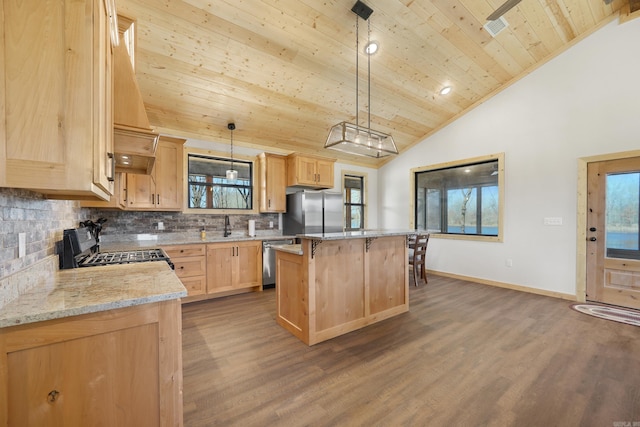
270 224
22 244
508 262
161 226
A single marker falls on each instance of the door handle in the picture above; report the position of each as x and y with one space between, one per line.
592 229
592 239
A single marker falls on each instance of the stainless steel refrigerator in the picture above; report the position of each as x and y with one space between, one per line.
312 212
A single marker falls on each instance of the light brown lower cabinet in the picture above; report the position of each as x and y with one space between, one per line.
120 367
234 265
209 270
190 263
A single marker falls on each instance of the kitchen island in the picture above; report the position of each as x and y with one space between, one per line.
339 282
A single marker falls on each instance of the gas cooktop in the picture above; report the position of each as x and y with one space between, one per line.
79 248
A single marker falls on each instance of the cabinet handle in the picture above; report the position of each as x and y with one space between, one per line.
158 197
112 159
125 195
269 203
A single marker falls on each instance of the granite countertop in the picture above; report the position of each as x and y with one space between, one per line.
362 234
78 291
118 242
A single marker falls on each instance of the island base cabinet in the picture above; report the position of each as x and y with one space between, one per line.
339 286
121 367
292 295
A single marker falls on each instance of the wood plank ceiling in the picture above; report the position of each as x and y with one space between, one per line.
284 70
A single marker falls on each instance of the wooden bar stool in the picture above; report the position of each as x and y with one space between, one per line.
417 257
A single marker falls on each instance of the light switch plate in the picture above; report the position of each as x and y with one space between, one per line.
553 221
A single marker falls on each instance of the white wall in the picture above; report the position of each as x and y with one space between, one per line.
582 103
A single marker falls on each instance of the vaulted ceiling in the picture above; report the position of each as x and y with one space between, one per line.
284 70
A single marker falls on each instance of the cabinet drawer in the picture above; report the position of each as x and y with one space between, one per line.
179 251
190 266
195 285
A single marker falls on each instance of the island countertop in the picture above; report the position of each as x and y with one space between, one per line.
78 291
360 234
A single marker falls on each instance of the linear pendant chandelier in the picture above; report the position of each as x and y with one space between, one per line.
352 138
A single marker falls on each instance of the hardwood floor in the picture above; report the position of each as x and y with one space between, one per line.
465 355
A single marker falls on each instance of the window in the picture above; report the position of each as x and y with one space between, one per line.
353 202
210 189
623 215
460 199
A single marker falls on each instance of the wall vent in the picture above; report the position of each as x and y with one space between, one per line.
494 27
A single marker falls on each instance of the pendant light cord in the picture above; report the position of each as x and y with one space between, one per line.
357 68
369 77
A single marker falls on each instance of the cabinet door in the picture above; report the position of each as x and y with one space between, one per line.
104 162
302 171
120 367
56 101
248 265
324 173
220 258
141 191
37 374
168 175
273 183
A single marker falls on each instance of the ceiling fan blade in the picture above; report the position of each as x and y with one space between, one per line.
507 6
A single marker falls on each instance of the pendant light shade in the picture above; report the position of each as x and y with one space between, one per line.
352 138
232 174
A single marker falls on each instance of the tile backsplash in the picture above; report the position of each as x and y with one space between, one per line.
128 222
43 220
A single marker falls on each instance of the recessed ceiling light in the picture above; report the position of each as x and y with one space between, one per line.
445 90
371 47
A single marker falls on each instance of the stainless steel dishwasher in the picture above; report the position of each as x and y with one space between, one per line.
269 261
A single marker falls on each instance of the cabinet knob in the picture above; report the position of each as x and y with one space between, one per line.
53 396
182 267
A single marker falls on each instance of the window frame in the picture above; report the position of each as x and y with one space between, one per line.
363 177
459 163
223 156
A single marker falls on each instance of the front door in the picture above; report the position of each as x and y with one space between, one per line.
613 244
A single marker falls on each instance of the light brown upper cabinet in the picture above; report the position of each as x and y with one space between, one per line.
309 171
160 191
272 169
163 189
56 115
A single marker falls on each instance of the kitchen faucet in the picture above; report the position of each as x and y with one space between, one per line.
227 227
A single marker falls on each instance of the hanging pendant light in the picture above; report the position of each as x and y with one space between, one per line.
232 174
353 138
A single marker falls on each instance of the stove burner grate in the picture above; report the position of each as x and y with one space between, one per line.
124 257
